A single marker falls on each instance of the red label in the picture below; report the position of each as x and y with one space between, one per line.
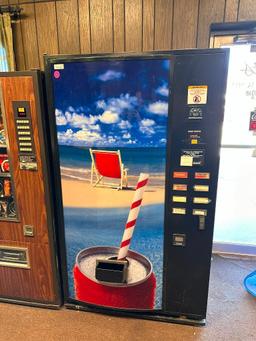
252 121
180 175
180 187
202 175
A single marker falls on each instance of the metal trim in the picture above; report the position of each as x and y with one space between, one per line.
16 265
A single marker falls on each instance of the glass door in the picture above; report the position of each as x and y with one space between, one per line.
235 222
7 202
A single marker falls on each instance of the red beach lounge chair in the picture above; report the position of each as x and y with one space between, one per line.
108 164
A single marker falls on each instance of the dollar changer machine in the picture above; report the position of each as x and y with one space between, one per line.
135 143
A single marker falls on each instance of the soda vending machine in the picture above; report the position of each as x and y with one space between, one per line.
28 268
135 145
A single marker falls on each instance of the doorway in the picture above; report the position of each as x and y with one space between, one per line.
235 220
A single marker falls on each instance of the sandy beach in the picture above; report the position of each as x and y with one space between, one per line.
82 194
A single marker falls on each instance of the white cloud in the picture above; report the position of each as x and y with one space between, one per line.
111 139
147 130
82 137
123 124
94 127
76 120
159 108
118 104
71 109
80 120
60 118
101 104
163 141
87 136
147 122
146 126
110 75
65 137
109 117
131 141
163 90
126 136
121 103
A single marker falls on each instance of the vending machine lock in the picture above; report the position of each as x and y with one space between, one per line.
28 230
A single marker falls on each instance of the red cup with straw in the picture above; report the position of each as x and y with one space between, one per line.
117 277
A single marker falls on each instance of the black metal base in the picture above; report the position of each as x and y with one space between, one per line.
140 315
54 306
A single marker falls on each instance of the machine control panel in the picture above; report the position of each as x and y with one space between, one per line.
194 134
24 133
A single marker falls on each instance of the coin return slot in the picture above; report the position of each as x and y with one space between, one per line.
14 257
179 239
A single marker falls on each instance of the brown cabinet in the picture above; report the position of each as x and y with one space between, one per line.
28 269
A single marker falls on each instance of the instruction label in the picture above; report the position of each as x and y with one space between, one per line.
197 94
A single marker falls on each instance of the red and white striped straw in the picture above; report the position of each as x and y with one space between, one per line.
133 215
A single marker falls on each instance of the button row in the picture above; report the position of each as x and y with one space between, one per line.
184 188
197 175
183 211
196 200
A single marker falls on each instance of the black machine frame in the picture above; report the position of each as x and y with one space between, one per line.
163 314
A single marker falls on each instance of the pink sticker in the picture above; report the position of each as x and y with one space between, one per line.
56 74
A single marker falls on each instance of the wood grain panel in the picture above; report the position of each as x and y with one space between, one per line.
35 283
4 2
185 30
163 24
18 45
231 10
28 184
29 37
84 26
67 20
247 10
118 25
46 29
133 25
210 11
148 24
101 25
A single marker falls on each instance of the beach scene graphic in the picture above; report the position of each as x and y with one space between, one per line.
111 119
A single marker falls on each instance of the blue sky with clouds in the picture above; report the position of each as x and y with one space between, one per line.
115 103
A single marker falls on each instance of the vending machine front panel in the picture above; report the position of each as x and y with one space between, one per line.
28 268
133 146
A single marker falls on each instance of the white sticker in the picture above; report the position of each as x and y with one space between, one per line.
197 94
177 198
178 210
58 66
201 188
186 160
200 212
201 200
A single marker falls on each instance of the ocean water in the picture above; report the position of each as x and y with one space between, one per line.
86 227
148 160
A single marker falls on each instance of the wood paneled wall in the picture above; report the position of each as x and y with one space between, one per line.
98 26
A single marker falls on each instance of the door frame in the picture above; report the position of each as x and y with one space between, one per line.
225 34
